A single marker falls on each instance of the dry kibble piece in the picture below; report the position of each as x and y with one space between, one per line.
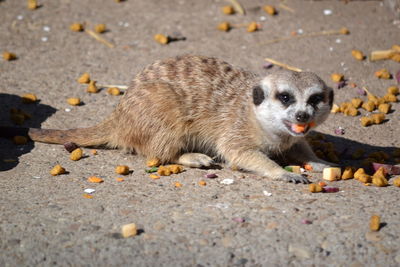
202 183
384 108
348 173
154 162
270 10
175 168
395 57
76 27
356 102
93 152
366 121
351 111
122 169
252 27
178 184
120 179
358 173
228 10
337 77
378 118
335 108
315 188
20 140
344 30
357 54
331 174
85 78
92 88
57 170
74 101
396 181
390 98
163 171
100 28
95 179
375 223
9 56
154 176
224 26
383 74
161 38
129 230
345 105
76 154
380 181
113 91
32 4
29 98
368 106
393 90
365 178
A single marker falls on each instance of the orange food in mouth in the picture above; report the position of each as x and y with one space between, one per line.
301 128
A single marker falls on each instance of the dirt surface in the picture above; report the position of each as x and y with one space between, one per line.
46 220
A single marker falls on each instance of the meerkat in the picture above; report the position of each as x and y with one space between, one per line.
189 109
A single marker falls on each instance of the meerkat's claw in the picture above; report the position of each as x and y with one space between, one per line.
295 178
195 160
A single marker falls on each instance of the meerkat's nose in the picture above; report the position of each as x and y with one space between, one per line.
302 116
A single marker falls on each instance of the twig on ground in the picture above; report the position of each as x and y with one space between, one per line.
237 6
283 65
98 38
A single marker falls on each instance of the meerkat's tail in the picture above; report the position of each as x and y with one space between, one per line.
91 136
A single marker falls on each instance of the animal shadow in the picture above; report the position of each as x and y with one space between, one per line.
13 112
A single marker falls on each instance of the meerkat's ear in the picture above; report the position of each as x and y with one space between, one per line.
258 95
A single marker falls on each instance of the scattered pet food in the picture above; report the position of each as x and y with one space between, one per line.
383 74
154 162
113 91
122 169
76 27
76 154
120 179
161 39
337 77
270 10
252 27
29 98
202 183
93 152
228 10
57 170
9 56
396 181
129 230
95 179
85 78
331 174
389 169
32 4
88 196
154 176
348 173
74 101
92 88
178 184
100 28
224 26
357 54
315 188
375 223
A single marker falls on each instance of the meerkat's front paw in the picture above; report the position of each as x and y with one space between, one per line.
320 166
294 178
195 160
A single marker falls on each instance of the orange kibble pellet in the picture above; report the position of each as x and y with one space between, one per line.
375 223
383 74
315 188
95 179
308 167
122 169
378 118
322 184
88 196
348 173
92 88
396 181
390 97
368 106
29 98
154 176
113 91
76 154
393 90
224 26
202 183
9 56
366 121
76 27
120 179
270 10
178 184
85 78
357 54
252 27
299 128
93 152
337 77
384 108
356 102
32 4
74 101
154 162
161 39
228 10
57 170
100 28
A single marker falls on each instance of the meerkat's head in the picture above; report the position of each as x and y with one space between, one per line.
292 102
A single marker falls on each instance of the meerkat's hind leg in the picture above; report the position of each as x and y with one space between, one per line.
195 160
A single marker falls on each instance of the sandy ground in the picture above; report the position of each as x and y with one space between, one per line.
46 220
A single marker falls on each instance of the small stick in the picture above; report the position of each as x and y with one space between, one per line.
98 38
343 31
283 65
237 6
123 87
287 8
381 54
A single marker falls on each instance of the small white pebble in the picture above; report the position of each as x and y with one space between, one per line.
126 24
121 23
89 190
330 48
263 18
243 47
44 39
46 28
266 193
338 41
327 12
20 17
67 110
36 177
300 31
227 181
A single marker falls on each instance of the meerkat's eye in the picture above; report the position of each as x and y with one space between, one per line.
285 98
314 100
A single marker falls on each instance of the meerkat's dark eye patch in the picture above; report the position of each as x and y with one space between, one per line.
286 98
258 95
315 99
331 98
